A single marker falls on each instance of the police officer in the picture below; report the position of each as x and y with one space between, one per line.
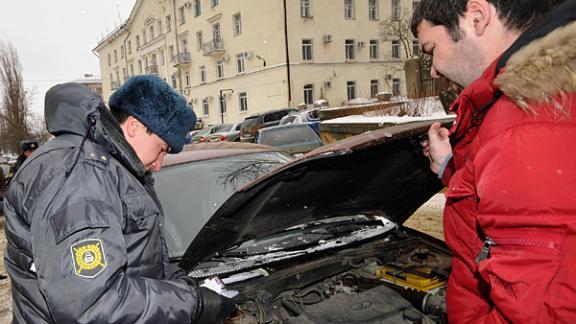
84 226
26 149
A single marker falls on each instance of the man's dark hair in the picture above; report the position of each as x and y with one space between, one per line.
121 116
515 14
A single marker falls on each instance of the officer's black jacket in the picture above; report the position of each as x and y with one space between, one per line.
85 233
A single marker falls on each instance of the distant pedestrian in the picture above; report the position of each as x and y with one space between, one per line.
509 160
26 149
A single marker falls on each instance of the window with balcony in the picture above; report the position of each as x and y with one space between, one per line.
214 3
184 45
237 21
374 88
307 50
199 41
351 90
202 74
309 94
415 48
350 49
396 87
240 65
182 15
305 9
374 49
349 10
197 8
243 100
373 10
396 49
220 70
205 107
187 78
168 23
395 9
216 34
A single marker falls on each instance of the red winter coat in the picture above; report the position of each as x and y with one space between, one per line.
513 179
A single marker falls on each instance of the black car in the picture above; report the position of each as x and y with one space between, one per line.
253 123
320 239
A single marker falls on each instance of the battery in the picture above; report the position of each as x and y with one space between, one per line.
421 278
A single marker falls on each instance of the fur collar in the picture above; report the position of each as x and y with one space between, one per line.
542 70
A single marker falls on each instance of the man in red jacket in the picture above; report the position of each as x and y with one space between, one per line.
509 160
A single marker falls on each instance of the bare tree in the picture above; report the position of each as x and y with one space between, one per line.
14 100
397 27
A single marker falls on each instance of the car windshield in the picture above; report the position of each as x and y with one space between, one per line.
287 135
223 128
191 193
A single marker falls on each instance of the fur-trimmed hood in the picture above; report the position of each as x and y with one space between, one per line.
543 69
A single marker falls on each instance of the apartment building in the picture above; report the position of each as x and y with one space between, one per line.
233 58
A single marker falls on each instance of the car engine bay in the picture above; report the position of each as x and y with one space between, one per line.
398 277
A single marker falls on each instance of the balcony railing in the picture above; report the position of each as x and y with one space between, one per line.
151 69
181 58
213 47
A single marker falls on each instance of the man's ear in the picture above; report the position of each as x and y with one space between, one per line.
131 126
479 14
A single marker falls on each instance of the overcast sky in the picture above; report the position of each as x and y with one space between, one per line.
55 39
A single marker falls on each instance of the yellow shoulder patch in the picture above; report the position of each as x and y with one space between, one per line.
88 258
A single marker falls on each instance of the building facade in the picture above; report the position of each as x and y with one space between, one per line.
233 58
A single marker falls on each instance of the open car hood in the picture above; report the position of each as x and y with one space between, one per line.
382 172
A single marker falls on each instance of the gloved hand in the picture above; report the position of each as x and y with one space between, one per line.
214 307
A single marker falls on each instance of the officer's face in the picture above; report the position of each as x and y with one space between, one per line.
149 147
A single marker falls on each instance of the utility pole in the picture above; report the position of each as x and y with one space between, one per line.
221 99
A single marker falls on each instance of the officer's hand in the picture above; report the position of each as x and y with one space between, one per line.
437 147
214 307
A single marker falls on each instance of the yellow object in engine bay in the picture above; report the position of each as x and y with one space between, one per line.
420 277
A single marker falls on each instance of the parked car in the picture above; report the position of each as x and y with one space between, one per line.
253 123
309 117
202 135
319 239
292 138
226 132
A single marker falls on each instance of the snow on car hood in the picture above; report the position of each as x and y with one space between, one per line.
381 173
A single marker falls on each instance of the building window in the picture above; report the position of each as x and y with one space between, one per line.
349 9
374 50
396 49
152 34
243 99
415 48
373 10
213 3
240 67
115 56
309 94
199 41
205 108
162 58
109 59
168 23
197 8
121 51
237 20
118 76
307 50
351 89
216 35
124 74
350 49
137 41
187 78
222 105
144 39
139 67
395 9
305 9
220 70
182 14
131 69
171 53
396 87
174 80
184 45
374 88
129 47
203 74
